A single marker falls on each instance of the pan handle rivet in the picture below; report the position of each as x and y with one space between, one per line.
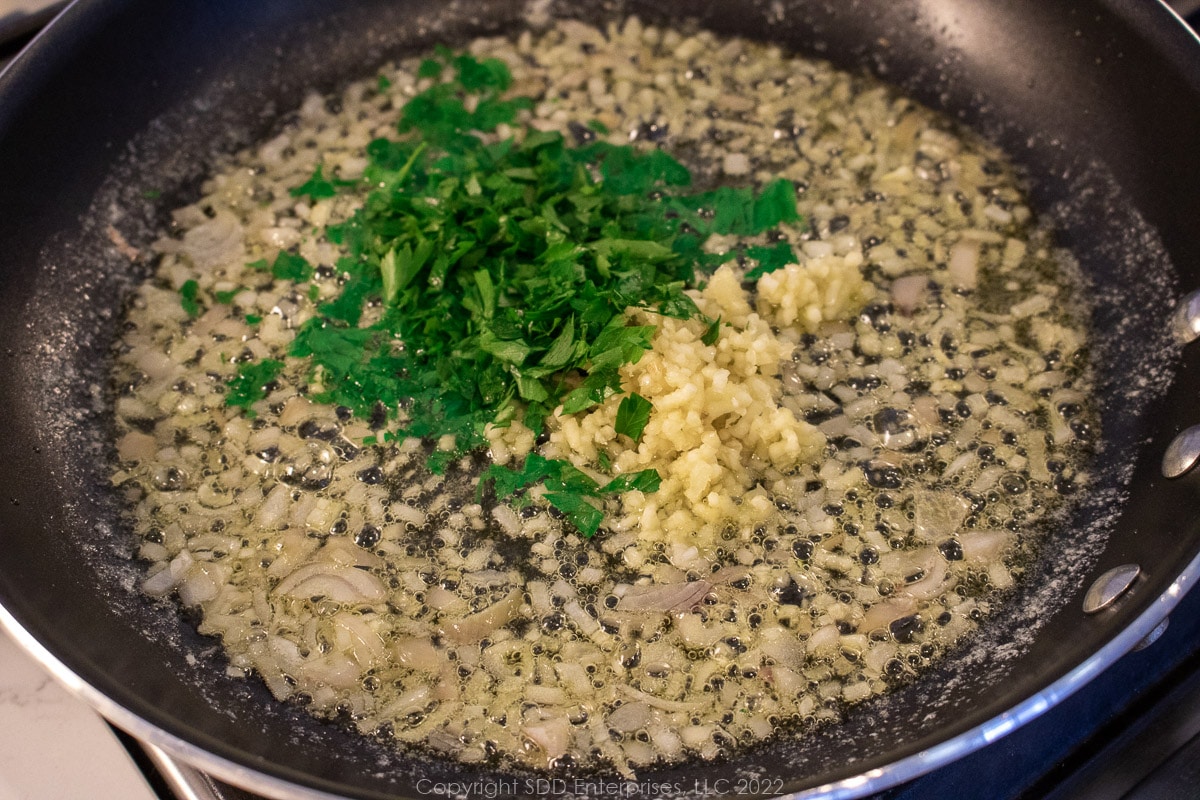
1154 635
1183 453
1109 586
1186 322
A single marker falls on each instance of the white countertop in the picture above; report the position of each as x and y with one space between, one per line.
52 745
23 6
10 10
13 22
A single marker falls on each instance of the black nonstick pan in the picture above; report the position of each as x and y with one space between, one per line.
1098 101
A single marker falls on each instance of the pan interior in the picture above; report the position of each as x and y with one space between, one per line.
69 575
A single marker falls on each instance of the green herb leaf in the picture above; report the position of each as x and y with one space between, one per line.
709 338
401 267
391 275
291 267
632 415
581 513
647 480
769 259
531 389
512 351
487 293
536 469
188 298
572 492
563 350
775 204
251 384
491 73
429 68
226 298
619 344
316 187
440 459
597 387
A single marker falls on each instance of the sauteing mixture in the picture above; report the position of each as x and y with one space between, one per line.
600 397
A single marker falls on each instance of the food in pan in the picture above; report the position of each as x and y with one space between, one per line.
600 398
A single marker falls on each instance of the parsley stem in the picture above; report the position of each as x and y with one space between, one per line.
408 165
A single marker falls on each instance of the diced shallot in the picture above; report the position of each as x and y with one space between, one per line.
984 545
666 598
908 293
552 736
214 242
931 584
339 583
630 717
964 264
882 614
476 626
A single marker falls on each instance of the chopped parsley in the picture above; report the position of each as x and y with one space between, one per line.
498 275
567 488
769 259
318 187
632 416
188 297
251 383
291 267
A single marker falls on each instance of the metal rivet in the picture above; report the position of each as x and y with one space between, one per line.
1109 586
1185 325
1153 636
1183 453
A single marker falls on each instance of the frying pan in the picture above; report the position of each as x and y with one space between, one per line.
117 101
